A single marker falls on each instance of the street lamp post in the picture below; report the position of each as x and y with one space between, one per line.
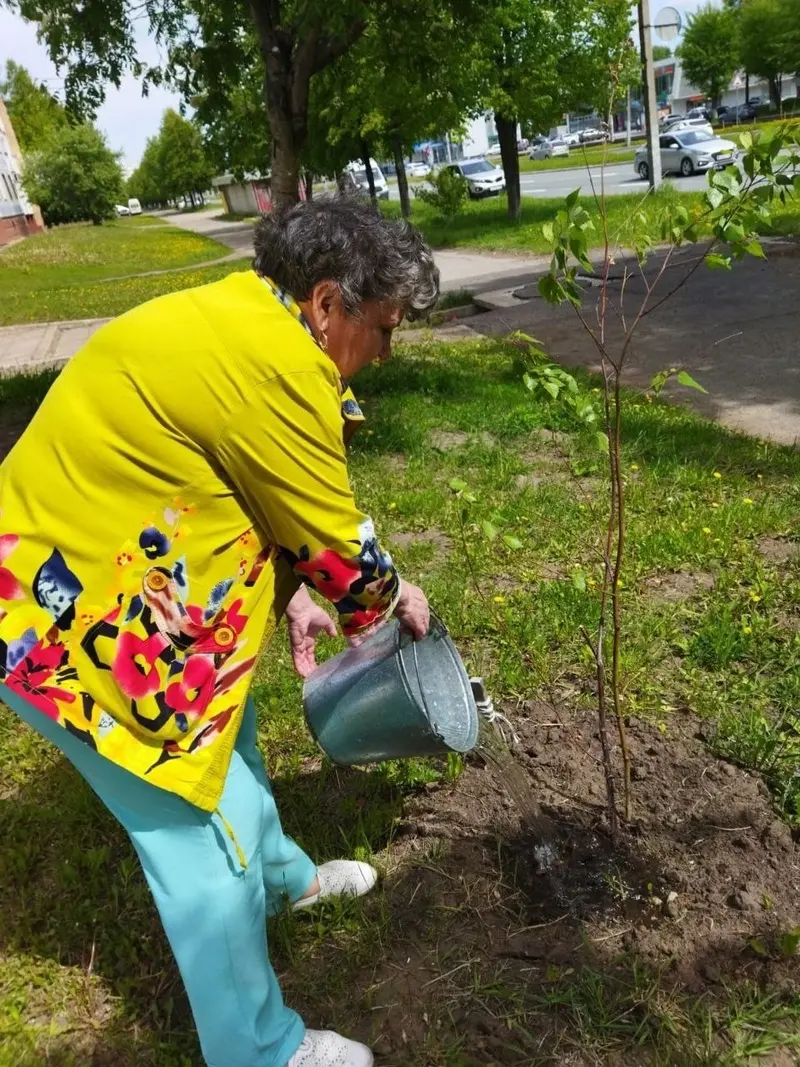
650 101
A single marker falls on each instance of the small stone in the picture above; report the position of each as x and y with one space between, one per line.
743 901
729 769
671 909
638 772
651 750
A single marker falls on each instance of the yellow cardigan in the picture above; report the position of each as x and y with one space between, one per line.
184 473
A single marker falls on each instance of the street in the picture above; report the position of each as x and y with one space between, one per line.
618 177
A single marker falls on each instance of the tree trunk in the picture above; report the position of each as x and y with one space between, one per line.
402 179
507 135
747 88
370 176
775 92
308 178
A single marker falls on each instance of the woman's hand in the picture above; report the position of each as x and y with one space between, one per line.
306 622
413 611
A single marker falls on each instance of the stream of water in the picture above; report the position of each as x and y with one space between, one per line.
511 776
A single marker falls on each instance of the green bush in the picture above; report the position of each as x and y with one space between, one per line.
448 195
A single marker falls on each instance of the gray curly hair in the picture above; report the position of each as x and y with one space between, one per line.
350 243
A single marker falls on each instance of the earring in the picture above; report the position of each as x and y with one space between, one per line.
323 340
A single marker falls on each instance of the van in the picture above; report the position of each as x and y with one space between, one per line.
134 207
358 173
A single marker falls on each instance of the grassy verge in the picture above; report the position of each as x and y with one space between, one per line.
85 973
103 299
579 158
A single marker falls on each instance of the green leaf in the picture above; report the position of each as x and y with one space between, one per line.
551 290
572 199
579 580
746 140
686 379
458 485
548 233
553 388
717 262
714 196
755 249
602 440
489 529
659 380
512 542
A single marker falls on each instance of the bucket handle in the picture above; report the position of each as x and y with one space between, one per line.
437 628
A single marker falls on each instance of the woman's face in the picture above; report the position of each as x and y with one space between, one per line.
352 341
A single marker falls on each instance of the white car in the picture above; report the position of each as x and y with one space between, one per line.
571 139
358 173
495 150
417 170
690 124
134 207
482 177
688 152
549 149
122 209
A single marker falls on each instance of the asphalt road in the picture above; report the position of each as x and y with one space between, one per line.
618 177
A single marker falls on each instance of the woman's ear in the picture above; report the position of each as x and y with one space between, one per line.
322 303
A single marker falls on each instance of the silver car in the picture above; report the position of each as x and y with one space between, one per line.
483 179
688 152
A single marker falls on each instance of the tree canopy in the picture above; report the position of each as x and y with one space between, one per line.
74 177
710 51
174 163
770 41
34 111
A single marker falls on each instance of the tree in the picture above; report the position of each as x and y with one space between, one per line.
74 177
185 167
710 51
540 61
34 111
660 51
770 37
204 42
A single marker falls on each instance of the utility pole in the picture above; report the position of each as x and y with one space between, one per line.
650 101
628 120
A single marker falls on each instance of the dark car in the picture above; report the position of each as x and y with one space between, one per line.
730 116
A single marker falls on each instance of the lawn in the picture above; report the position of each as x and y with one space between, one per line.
464 957
68 258
579 157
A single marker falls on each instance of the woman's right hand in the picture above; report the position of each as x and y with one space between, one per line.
413 611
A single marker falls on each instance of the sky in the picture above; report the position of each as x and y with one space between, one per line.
126 118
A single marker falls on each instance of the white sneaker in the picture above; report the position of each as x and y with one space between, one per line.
324 1048
341 878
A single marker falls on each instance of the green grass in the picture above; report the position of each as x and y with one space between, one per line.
85 973
43 278
103 299
579 157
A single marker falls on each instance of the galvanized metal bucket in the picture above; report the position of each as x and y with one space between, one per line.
392 697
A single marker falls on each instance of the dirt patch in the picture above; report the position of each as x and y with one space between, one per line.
703 870
778 549
788 621
447 440
395 462
437 538
678 585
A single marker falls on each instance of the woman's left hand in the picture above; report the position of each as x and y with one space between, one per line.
306 622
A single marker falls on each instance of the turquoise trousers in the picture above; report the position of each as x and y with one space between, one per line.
213 906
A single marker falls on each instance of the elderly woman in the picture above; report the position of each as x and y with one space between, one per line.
183 482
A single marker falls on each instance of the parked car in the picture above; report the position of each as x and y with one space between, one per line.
730 116
671 120
592 135
417 170
134 207
358 173
549 149
494 150
483 178
389 170
523 144
571 139
703 125
688 152
699 113
122 209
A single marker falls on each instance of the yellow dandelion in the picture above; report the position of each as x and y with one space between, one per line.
760 477
634 466
747 629
392 506
707 530
717 474
499 599
715 505
747 500
755 597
